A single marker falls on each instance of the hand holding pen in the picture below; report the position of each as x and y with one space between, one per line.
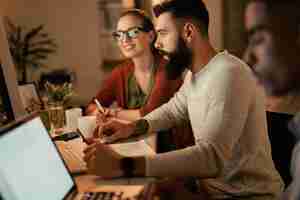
102 117
90 140
102 113
106 113
99 106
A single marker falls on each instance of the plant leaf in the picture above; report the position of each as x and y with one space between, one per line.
33 33
40 50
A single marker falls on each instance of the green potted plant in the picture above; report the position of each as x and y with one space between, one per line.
57 89
58 94
29 48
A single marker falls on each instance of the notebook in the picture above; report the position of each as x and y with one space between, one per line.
31 166
136 146
72 153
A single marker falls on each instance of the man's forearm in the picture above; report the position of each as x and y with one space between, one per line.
130 115
168 115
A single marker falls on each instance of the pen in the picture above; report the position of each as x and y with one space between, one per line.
102 140
100 108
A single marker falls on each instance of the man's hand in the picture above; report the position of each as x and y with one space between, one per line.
114 130
102 161
101 118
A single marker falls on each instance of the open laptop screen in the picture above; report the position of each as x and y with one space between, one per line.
31 167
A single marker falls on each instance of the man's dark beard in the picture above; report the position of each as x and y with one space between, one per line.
179 60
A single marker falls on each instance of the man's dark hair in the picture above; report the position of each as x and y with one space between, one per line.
287 12
286 7
187 9
284 23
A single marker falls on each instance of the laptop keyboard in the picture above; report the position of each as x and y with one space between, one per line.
102 196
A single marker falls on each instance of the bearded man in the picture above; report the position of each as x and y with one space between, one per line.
231 157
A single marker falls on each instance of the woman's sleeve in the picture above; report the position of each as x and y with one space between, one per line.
107 94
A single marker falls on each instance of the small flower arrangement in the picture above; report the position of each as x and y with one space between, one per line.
58 93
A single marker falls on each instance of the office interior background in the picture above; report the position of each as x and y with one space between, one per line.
82 30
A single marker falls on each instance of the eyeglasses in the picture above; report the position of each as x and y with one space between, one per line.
130 33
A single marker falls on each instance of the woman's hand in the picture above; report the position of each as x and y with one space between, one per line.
101 118
108 114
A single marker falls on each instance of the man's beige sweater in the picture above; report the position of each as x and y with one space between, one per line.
232 154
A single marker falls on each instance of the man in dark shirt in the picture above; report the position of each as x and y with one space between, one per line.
273 52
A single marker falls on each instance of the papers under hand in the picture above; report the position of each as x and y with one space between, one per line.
136 148
87 125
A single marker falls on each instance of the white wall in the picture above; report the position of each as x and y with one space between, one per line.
216 29
75 25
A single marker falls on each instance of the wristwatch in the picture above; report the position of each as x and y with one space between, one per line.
127 166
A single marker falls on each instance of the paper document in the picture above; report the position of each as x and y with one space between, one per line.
136 148
72 152
87 125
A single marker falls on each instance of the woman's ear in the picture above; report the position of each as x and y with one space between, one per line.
152 36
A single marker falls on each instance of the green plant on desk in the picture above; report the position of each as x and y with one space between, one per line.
57 95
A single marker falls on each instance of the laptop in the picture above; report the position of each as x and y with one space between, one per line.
32 168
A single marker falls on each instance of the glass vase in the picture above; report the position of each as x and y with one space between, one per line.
56 114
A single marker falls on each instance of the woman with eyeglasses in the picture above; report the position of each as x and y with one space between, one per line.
140 84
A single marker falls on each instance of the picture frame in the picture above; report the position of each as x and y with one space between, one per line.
6 110
30 97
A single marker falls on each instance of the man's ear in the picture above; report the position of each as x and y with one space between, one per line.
189 31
